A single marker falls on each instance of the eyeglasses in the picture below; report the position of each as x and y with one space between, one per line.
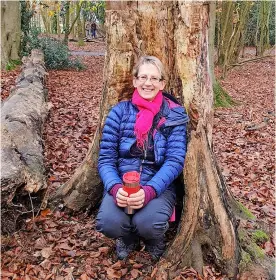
144 78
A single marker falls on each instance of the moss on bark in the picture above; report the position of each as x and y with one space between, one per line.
221 97
260 236
245 212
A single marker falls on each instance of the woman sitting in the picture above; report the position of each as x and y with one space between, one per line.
146 134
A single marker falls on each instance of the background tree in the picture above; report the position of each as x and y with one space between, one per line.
46 14
10 31
231 27
26 15
240 24
262 31
68 27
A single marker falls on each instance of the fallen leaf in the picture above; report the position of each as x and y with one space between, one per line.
114 273
40 243
124 271
138 265
104 250
95 254
153 272
269 248
45 212
46 252
6 273
71 253
46 264
117 265
84 277
64 246
134 273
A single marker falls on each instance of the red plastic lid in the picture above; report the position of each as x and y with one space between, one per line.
131 177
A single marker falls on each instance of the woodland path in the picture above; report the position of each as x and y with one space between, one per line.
87 53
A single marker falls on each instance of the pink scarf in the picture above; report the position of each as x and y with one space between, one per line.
144 119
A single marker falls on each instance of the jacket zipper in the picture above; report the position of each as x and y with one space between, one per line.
145 156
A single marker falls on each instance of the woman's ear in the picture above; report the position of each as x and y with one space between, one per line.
134 81
162 84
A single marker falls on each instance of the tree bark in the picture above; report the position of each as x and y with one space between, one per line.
22 160
10 31
44 9
207 232
69 27
211 39
263 27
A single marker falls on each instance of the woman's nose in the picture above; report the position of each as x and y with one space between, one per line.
148 82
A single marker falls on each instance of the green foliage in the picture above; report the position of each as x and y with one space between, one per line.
255 251
54 23
242 235
56 54
81 43
11 65
250 249
259 236
245 260
26 15
221 97
253 23
94 10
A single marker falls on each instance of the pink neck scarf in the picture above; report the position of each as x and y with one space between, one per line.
144 119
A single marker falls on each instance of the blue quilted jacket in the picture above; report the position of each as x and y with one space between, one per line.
169 142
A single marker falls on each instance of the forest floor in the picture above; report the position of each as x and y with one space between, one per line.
57 245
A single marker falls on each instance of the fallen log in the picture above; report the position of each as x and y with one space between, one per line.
22 161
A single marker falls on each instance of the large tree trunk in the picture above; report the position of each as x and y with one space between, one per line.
10 31
22 160
176 32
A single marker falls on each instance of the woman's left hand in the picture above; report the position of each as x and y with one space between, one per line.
136 200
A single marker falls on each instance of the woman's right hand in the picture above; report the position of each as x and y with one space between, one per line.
121 198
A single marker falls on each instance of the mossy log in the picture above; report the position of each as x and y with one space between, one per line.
22 161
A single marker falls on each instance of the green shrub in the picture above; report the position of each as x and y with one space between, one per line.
56 54
81 43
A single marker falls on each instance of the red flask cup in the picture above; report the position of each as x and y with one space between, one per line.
131 185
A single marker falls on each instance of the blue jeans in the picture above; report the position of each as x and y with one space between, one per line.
150 222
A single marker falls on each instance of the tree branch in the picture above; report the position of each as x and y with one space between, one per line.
250 60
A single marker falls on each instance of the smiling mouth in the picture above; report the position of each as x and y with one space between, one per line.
147 89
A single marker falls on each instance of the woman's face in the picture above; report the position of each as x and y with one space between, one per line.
148 81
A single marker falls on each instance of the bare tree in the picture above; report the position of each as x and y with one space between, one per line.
10 31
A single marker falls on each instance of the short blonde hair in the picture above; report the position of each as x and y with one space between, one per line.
149 60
